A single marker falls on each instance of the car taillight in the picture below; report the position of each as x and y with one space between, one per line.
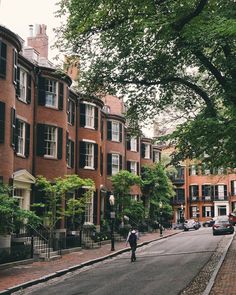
216 226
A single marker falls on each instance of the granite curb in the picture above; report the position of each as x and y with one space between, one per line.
76 267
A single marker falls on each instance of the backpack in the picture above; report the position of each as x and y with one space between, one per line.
132 239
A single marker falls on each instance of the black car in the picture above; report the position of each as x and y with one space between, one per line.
222 226
208 223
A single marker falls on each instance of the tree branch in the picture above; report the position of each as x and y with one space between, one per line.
178 26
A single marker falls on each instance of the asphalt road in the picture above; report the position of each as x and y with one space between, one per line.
164 267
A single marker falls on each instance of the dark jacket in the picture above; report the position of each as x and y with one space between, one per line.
132 240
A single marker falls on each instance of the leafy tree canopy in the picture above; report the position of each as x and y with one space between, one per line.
162 54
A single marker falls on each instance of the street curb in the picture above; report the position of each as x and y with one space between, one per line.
213 277
76 267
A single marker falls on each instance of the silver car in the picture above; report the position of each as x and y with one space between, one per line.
222 225
191 224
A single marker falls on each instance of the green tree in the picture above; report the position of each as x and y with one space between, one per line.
54 195
122 183
12 217
162 54
156 188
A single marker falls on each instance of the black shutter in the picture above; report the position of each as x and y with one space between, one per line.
95 156
3 59
109 126
190 191
128 143
73 113
18 82
82 115
82 153
153 156
120 162
203 190
40 140
59 142
216 191
197 190
225 190
60 96
14 67
109 164
191 211
142 150
120 125
138 172
137 144
27 139
17 131
2 122
28 93
203 211
232 182
212 212
95 206
72 154
41 91
96 119
101 128
67 148
101 161
128 166
13 127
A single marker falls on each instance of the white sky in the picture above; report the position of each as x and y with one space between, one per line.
17 15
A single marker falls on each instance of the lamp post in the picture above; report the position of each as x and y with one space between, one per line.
160 206
112 215
182 215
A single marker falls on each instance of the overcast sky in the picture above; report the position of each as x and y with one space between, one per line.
17 15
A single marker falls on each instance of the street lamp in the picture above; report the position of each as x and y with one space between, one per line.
182 215
112 215
160 206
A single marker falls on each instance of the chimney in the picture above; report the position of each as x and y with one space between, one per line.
40 41
31 30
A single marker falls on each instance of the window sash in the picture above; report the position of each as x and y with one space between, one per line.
133 167
23 85
51 93
69 159
156 157
21 139
115 132
70 111
51 141
89 116
115 164
89 155
147 151
133 144
221 192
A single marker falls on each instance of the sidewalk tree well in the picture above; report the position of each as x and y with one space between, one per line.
53 198
12 217
170 55
121 184
156 187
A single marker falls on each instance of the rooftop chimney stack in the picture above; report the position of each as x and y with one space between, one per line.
40 41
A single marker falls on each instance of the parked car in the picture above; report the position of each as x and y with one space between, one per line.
222 226
191 224
232 218
208 223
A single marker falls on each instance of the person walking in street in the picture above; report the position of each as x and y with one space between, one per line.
132 240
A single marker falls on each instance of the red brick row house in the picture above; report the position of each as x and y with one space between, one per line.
46 128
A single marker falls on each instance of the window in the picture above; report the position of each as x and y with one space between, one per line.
89 155
115 164
51 93
51 141
70 153
2 122
194 211
207 191
19 195
233 187
115 131
221 192
23 85
133 144
133 167
88 214
71 112
3 59
222 210
147 151
89 116
156 157
193 191
192 170
208 211
21 139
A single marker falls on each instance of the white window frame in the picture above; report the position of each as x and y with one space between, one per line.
115 131
194 211
88 214
147 151
51 142
89 155
208 211
115 164
133 144
89 116
18 193
234 187
51 93
23 85
193 170
133 167
221 193
69 159
156 157
21 138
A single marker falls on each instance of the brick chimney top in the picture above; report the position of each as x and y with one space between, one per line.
39 41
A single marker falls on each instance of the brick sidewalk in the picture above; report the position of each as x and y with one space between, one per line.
20 274
225 281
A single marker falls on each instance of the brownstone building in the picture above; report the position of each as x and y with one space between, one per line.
48 129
